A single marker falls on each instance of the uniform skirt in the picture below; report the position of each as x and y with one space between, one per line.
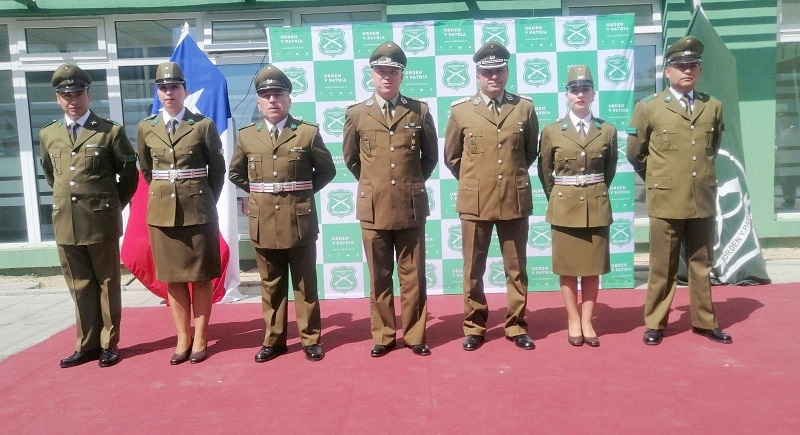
580 251
186 254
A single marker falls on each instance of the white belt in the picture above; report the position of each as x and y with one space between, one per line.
579 180
179 174
287 186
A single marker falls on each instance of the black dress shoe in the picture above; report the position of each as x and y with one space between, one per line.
420 349
108 357
715 334
472 342
79 358
270 352
380 350
314 352
652 337
178 358
522 341
592 341
198 357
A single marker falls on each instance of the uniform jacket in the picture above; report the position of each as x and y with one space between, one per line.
196 145
286 219
562 153
675 154
390 162
87 197
491 160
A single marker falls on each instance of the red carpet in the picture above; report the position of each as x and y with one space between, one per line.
687 384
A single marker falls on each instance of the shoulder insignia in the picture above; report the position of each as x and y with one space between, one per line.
313 124
631 131
477 101
111 121
648 98
564 126
459 101
510 96
149 118
248 125
191 121
598 122
260 126
355 103
53 122
525 97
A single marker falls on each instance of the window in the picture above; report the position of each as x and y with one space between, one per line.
643 12
340 17
244 31
5 53
62 40
150 38
137 88
12 200
787 106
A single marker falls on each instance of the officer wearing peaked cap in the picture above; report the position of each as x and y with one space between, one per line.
490 143
282 162
577 162
390 145
180 156
91 166
673 139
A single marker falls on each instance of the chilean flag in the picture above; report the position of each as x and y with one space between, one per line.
208 96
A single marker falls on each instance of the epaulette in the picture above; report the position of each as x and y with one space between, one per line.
313 124
149 118
248 125
459 101
648 98
50 123
525 97
704 96
355 103
112 121
599 120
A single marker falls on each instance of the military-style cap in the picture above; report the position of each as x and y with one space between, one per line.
169 72
580 75
687 50
388 54
69 78
491 55
271 77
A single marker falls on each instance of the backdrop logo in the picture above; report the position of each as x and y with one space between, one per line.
539 236
340 203
343 279
456 74
495 32
617 69
297 76
576 33
454 238
430 275
366 79
431 201
537 72
622 153
415 38
333 123
497 274
331 42
621 232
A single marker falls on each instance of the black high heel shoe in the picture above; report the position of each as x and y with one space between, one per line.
182 357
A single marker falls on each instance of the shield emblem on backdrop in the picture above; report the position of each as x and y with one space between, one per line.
333 122
297 76
539 236
340 203
331 42
415 39
456 74
617 69
576 33
495 32
343 279
537 72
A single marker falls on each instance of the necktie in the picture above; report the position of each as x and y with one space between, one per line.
387 114
171 128
494 109
273 133
687 104
72 129
582 131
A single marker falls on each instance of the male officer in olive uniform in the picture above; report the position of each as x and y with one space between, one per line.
390 145
282 162
673 139
82 155
490 143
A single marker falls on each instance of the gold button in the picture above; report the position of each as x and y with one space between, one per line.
394 182
74 199
172 195
277 207
391 149
499 177
499 161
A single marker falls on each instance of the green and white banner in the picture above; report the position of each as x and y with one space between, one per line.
328 66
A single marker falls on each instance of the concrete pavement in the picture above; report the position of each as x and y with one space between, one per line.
29 315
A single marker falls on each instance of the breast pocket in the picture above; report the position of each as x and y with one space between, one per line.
254 169
157 154
55 158
473 140
95 159
665 141
565 160
411 143
369 143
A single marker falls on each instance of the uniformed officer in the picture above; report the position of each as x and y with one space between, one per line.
180 155
390 145
577 162
91 166
673 139
490 143
282 162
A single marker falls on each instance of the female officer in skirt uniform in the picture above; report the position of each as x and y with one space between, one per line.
180 155
577 161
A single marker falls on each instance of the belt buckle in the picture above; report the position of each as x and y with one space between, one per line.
277 187
173 174
581 180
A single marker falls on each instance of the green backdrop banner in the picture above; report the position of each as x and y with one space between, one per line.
328 66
